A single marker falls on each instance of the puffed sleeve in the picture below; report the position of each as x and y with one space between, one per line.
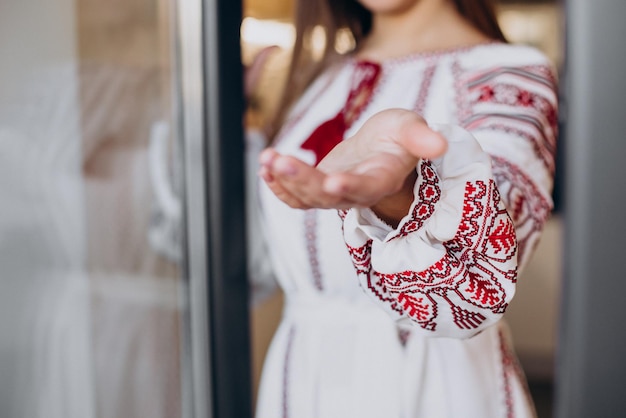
449 269
450 265
512 111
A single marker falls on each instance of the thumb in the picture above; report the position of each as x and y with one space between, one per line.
420 140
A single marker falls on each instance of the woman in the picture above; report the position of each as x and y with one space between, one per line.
434 142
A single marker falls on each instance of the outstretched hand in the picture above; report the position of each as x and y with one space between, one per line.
374 168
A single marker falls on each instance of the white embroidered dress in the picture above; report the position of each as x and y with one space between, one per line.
405 323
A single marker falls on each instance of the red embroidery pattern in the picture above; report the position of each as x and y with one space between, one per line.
310 227
510 359
526 106
365 79
506 364
543 146
422 96
528 208
511 366
429 194
443 274
362 257
376 285
503 238
543 142
470 270
292 121
462 109
538 74
484 227
330 133
290 338
483 290
463 318
362 260
484 240
419 307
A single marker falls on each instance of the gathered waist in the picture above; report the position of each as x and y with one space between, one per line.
330 310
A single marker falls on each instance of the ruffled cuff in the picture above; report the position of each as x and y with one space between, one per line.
450 265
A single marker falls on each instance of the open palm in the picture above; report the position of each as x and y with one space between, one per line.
368 169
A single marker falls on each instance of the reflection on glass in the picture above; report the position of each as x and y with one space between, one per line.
91 289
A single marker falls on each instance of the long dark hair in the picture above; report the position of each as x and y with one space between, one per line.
334 15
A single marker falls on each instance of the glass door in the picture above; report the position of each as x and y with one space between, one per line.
113 211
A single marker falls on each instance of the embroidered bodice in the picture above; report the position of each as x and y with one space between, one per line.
491 215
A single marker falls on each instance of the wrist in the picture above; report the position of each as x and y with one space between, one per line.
391 209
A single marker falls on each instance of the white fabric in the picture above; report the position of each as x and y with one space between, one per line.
338 351
260 276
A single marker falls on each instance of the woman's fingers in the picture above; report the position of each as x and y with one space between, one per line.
296 183
304 182
266 172
280 191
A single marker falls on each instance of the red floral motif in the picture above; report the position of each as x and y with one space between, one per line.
503 237
420 308
484 291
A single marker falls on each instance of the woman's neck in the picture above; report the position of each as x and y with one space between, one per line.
429 25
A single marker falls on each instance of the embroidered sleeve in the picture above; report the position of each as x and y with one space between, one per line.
450 265
512 112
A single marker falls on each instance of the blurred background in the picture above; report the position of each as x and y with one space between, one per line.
94 296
